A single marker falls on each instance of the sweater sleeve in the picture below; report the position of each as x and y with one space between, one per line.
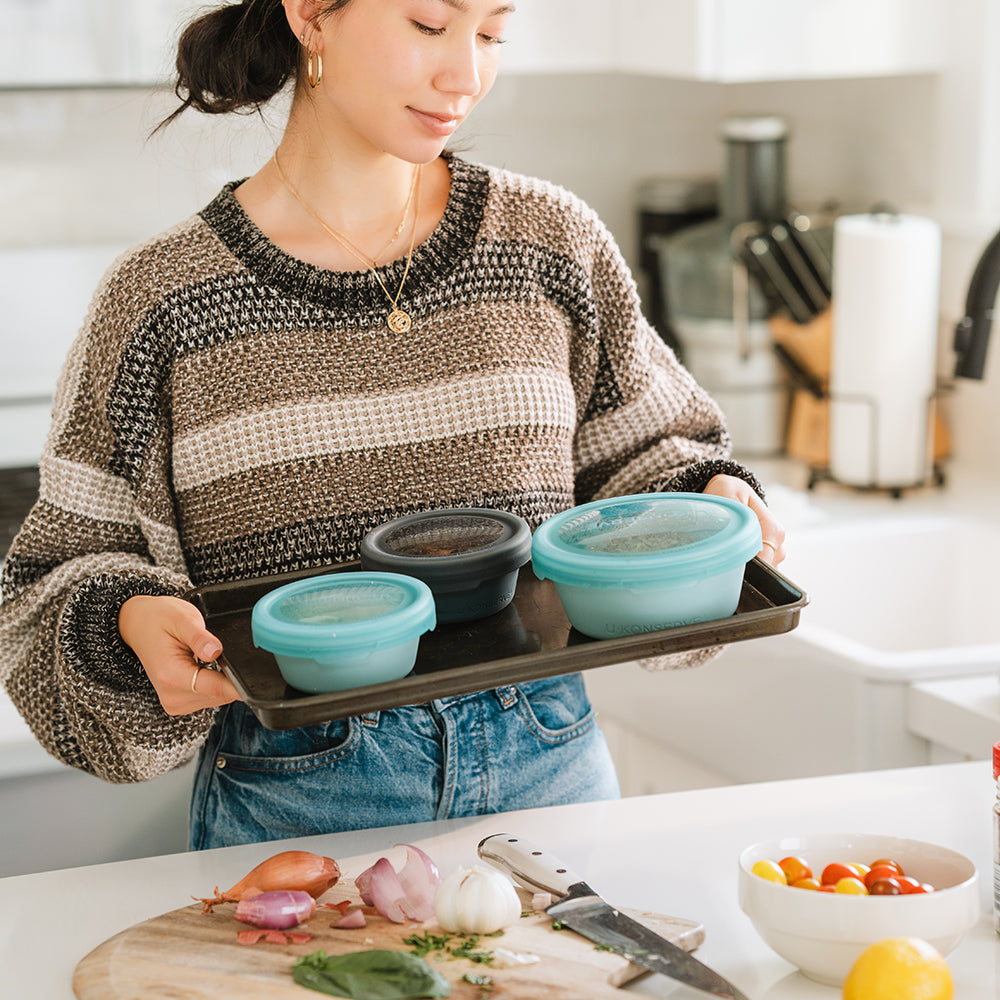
648 425
101 531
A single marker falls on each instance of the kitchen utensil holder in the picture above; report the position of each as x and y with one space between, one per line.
935 474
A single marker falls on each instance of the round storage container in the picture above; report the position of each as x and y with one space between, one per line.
468 556
343 630
647 562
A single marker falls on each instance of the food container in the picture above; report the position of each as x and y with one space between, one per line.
647 562
469 557
343 630
823 933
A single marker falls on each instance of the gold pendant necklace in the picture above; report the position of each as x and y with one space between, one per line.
398 320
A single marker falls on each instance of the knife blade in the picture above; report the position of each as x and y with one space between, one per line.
581 909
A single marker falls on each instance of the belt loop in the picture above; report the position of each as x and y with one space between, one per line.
370 718
507 696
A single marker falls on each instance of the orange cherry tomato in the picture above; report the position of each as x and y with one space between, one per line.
860 870
852 886
909 885
835 871
807 883
827 887
888 863
795 869
877 872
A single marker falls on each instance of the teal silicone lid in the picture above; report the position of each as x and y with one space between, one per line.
343 611
647 538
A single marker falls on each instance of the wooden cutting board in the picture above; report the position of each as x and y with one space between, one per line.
189 955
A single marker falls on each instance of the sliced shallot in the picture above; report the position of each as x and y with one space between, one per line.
407 894
351 919
276 910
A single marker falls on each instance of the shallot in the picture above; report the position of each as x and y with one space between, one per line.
276 910
300 871
402 895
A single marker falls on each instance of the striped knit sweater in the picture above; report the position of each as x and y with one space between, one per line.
228 411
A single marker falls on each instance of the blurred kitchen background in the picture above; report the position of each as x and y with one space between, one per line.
865 103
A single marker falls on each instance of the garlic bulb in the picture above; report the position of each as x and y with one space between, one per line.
476 900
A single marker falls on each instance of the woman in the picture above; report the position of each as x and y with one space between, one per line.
365 327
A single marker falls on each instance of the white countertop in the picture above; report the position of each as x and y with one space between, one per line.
672 853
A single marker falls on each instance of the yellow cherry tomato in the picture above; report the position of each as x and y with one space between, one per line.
806 883
851 886
771 870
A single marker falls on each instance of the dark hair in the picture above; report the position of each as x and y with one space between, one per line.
237 57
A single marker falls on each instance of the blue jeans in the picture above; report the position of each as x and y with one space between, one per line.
535 744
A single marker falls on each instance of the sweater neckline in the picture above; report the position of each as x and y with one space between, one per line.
360 291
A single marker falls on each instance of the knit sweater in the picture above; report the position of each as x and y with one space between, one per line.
228 411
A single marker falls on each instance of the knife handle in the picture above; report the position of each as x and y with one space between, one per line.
528 864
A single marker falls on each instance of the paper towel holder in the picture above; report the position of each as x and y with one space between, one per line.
972 332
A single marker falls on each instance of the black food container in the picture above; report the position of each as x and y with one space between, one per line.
468 556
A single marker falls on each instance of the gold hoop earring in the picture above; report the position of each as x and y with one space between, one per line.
314 68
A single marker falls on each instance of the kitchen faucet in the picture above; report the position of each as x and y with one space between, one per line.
972 333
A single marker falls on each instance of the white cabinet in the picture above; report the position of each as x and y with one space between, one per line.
728 41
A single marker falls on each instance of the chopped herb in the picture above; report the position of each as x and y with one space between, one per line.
379 974
485 983
604 947
465 947
558 925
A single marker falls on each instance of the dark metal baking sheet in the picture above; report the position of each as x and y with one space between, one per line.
531 638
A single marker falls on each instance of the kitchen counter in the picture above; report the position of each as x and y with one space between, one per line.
675 853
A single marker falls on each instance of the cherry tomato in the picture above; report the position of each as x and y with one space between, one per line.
852 886
835 871
888 886
795 869
877 872
807 883
909 885
827 887
860 870
771 870
888 863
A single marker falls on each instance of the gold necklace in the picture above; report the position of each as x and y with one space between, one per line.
399 320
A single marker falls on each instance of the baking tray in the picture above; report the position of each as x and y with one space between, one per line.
531 638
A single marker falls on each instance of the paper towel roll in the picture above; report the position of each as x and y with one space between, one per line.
886 274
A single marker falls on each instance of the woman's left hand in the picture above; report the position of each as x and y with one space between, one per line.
773 549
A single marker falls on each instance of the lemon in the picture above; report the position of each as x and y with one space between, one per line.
899 969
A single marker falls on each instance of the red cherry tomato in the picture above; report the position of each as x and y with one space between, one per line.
879 872
828 887
835 871
884 887
909 885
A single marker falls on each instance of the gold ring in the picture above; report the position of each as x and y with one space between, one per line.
194 679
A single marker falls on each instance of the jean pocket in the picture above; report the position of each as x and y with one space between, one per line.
248 745
556 709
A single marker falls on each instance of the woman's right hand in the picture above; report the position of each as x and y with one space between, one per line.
170 638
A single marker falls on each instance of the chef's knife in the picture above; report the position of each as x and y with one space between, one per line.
582 910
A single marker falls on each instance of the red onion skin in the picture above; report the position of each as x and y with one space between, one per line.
276 910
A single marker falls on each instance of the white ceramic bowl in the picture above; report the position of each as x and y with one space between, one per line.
823 933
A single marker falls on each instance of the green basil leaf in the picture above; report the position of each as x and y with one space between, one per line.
379 974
